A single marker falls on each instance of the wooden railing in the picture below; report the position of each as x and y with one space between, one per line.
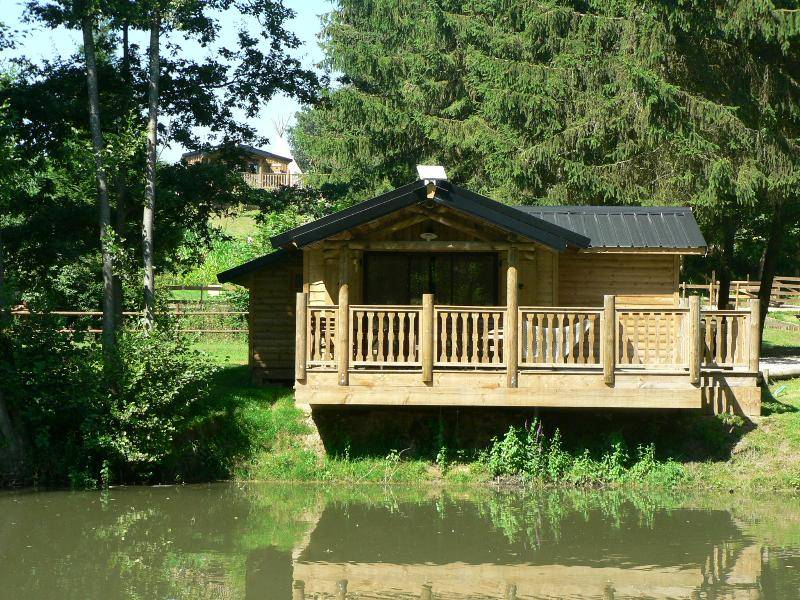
321 336
612 340
385 336
651 338
785 290
468 336
271 181
556 336
725 338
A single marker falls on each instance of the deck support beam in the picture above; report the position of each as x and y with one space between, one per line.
300 337
343 317
695 340
755 335
510 328
608 338
426 332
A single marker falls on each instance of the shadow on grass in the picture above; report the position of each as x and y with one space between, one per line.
770 350
772 405
228 427
422 433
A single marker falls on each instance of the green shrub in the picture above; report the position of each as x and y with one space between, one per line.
527 453
84 420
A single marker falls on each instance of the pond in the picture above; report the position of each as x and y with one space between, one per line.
271 541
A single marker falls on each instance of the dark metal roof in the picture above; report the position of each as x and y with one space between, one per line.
558 227
667 227
253 265
446 194
244 148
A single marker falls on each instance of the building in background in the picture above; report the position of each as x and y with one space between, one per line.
261 169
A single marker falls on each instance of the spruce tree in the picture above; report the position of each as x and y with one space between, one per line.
569 103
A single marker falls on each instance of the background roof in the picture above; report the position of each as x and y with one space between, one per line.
666 227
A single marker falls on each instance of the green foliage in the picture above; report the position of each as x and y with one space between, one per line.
85 422
527 453
565 102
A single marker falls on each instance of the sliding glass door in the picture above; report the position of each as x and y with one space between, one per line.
463 279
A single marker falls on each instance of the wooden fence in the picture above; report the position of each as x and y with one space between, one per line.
609 339
83 321
785 290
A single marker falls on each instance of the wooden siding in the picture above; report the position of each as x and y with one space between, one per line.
272 319
646 279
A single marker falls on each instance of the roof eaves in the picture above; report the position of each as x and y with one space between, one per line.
231 275
516 216
358 214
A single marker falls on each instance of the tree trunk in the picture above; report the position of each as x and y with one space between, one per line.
12 448
150 190
771 255
121 212
726 261
106 232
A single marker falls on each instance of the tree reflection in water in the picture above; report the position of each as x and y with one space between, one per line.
271 541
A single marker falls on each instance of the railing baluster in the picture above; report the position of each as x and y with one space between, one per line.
390 355
370 336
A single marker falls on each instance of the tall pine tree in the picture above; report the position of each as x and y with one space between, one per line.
569 103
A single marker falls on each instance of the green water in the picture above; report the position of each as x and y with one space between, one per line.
260 540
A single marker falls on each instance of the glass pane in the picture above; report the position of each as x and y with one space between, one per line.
474 279
386 279
419 276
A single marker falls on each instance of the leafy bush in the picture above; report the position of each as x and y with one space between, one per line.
84 420
527 453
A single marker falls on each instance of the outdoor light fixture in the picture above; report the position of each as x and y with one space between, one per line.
429 173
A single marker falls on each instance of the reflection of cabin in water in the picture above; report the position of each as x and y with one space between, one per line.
432 295
260 168
362 551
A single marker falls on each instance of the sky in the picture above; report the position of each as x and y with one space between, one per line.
37 42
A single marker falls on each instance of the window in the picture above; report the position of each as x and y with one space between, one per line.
456 279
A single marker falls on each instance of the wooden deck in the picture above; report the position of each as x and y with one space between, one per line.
507 356
271 181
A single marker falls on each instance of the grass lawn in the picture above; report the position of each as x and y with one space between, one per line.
777 342
270 439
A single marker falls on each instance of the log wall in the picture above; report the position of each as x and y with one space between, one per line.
644 279
272 319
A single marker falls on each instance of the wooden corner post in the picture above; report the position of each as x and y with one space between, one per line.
300 338
512 311
426 341
755 335
608 342
343 318
695 340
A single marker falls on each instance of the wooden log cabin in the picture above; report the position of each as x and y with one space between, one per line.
260 169
432 295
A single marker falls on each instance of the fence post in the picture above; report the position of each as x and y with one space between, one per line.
300 339
608 341
426 341
343 348
512 312
695 340
755 334
298 590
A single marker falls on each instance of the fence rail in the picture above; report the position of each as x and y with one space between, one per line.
667 340
81 321
785 290
385 336
470 336
271 181
551 337
651 338
724 335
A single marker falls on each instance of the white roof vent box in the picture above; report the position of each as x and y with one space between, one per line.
431 173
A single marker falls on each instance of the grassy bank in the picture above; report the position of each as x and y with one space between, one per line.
673 449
